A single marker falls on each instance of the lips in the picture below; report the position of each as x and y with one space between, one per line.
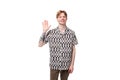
62 21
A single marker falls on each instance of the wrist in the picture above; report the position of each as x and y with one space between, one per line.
44 32
42 37
72 64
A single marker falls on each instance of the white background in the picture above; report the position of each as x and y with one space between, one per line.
97 27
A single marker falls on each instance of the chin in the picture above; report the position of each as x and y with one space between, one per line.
62 23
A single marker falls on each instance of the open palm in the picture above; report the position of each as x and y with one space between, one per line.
45 25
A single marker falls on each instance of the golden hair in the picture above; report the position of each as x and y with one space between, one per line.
61 11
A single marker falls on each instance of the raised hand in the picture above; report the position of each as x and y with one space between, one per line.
45 25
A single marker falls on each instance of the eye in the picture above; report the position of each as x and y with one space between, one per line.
63 17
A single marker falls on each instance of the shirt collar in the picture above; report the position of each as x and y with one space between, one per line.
59 30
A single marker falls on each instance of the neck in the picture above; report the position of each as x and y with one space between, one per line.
62 28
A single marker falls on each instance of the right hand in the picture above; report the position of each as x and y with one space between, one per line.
45 26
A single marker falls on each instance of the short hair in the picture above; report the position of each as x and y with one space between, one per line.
61 11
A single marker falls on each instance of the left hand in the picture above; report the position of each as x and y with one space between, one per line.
71 68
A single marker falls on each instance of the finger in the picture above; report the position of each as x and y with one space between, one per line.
42 23
46 22
49 26
69 70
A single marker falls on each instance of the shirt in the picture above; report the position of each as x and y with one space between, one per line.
61 47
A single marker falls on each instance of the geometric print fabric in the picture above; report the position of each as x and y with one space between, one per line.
60 46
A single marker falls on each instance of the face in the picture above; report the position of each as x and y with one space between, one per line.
62 19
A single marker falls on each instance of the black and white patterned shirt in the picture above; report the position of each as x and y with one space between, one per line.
61 47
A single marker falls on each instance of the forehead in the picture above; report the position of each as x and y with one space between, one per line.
61 14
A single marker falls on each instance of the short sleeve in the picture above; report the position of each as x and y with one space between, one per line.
75 41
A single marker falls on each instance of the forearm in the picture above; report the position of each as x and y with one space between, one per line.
42 39
73 56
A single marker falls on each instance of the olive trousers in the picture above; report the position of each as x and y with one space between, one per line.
55 73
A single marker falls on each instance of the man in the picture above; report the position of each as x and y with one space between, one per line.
62 41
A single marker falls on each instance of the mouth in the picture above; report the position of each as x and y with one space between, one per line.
62 21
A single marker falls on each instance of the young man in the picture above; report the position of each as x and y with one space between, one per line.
62 41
